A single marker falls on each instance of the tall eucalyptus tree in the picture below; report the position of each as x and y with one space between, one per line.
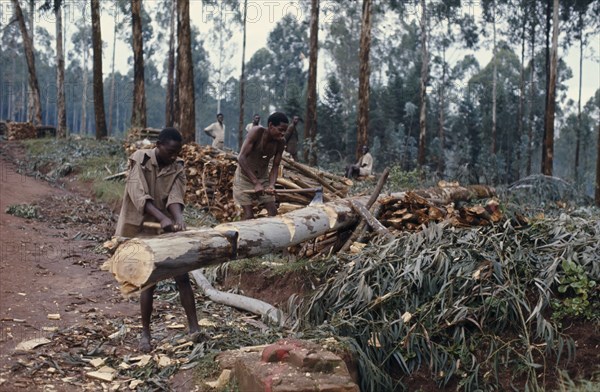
98 81
362 136
138 111
310 127
36 116
185 74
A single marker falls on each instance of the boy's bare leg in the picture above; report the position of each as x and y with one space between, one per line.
186 295
146 299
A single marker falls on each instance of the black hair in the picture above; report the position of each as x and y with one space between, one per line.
219 114
170 134
277 118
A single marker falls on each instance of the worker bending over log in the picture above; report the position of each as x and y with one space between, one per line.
253 183
154 193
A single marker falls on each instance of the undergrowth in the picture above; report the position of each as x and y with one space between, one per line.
468 305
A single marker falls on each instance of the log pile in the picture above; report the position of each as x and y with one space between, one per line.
139 138
210 173
20 131
412 210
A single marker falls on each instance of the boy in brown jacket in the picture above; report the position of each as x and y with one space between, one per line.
154 193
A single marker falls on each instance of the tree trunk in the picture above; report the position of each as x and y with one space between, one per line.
441 134
185 74
598 169
547 35
29 55
362 137
169 102
551 101
531 97
138 111
423 85
311 94
98 82
520 121
30 99
578 129
494 83
83 122
111 102
61 122
242 81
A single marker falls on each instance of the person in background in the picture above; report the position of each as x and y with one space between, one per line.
291 138
253 183
364 166
154 193
216 130
255 122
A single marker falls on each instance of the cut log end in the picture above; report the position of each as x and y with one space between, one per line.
135 260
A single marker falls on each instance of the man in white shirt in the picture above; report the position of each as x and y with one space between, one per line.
363 168
216 130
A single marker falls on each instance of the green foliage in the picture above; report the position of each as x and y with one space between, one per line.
23 211
577 289
466 304
399 179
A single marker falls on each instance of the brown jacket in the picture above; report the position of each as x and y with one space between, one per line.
146 181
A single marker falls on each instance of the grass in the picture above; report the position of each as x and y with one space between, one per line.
91 160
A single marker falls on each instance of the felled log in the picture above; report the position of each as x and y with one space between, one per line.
141 262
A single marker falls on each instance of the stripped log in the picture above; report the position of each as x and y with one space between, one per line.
141 262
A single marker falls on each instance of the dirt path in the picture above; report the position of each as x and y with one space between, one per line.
45 269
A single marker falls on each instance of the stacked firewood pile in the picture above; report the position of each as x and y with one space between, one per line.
210 173
408 211
139 138
20 131
412 211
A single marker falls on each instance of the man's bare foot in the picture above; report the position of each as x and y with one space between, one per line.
145 346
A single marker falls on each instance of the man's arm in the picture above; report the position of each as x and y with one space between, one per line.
276 163
210 131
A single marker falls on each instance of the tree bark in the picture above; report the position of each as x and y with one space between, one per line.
98 82
111 101
311 94
598 169
578 129
551 101
185 74
242 81
520 120
29 55
362 137
61 123
84 92
138 111
531 96
494 84
423 85
169 102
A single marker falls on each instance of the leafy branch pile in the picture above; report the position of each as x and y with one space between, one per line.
468 306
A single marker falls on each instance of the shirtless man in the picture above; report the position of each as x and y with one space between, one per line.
253 182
